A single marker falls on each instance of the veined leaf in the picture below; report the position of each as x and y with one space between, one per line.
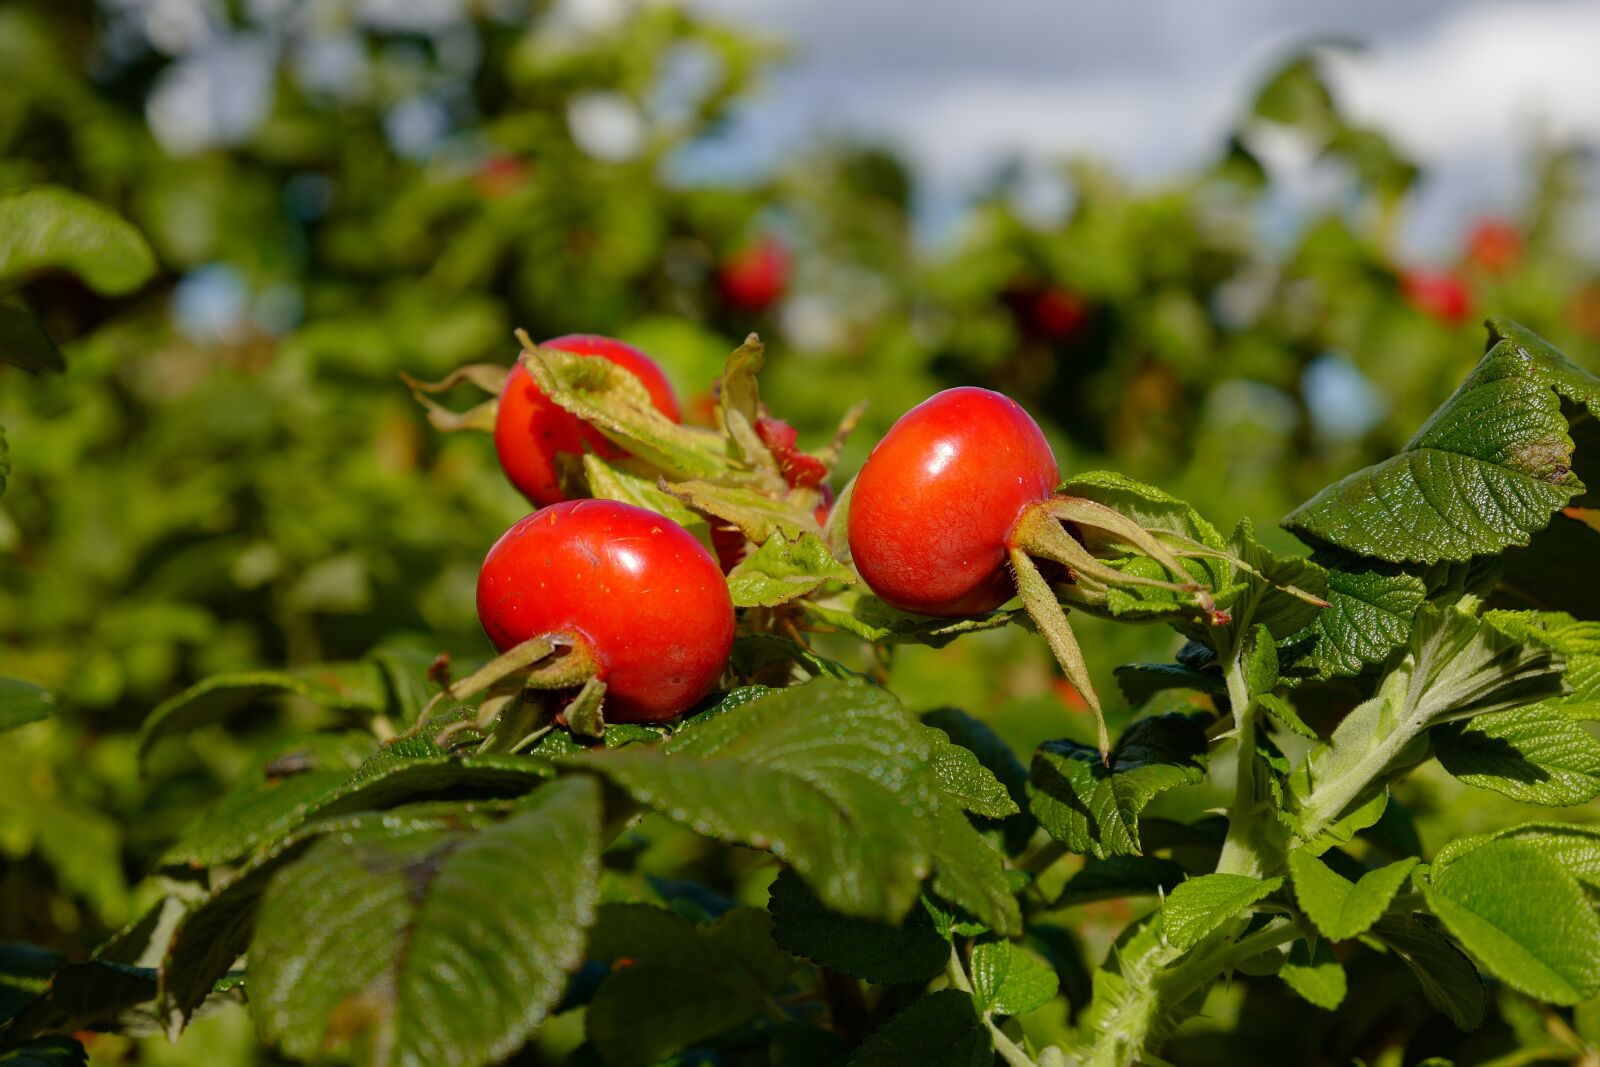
1369 613
1572 847
996 756
607 482
1448 978
1318 978
47 228
759 515
422 907
1141 681
1009 980
1536 755
1528 920
1483 474
782 570
1093 807
1454 667
1283 590
966 781
910 953
1200 907
1339 908
940 1030
860 613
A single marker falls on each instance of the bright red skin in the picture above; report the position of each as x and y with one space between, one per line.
932 508
799 469
530 431
756 276
638 587
1439 295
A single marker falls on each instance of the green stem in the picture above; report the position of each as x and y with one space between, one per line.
1008 1049
1240 854
1181 982
955 972
1329 798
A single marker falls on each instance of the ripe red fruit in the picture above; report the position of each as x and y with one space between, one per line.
1438 294
800 469
1495 244
530 431
500 176
646 596
932 507
1060 313
756 276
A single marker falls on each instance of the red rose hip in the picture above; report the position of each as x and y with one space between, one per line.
647 597
530 430
932 507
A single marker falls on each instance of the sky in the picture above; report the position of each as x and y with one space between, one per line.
1152 86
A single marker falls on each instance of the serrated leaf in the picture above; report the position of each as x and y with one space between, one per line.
993 753
1369 613
1093 807
1318 979
1281 587
275 793
968 871
1525 918
46 228
615 402
1141 681
1120 876
1201 906
1573 848
966 781
23 702
1283 711
23 343
708 981
1455 666
1339 908
907 954
830 776
865 616
1536 755
346 686
1259 661
607 482
1578 641
1484 473
423 990
758 514
87 994
1009 980
940 1030
217 930
1448 978
782 570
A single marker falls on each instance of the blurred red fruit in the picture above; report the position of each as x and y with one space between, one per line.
1495 244
500 176
756 276
1060 313
1438 294
1583 310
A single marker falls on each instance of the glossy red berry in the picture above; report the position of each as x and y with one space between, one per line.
530 431
646 596
756 276
933 505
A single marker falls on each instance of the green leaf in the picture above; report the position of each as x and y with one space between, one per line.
1454 667
759 515
969 871
1536 755
1120 876
1201 906
1369 613
1009 980
46 228
54 1051
345 686
1573 848
1094 808
940 1030
1525 918
1578 641
910 953
25 972
615 402
782 570
688 983
1318 979
88 994
993 753
217 930
607 482
23 342
1141 681
1339 908
865 616
966 781
283 785
831 776
422 908
1485 472
405 672
22 702
1271 577
1283 711
754 653
1448 978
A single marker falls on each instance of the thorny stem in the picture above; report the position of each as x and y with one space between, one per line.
1180 982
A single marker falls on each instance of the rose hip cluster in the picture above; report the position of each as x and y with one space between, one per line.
946 518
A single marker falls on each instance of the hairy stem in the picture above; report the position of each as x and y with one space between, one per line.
1183 981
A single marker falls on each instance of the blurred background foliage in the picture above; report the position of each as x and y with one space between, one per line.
228 475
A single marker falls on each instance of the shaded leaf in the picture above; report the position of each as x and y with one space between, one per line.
23 702
910 953
1120 876
940 1030
1318 979
1448 978
1536 755
865 616
23 342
